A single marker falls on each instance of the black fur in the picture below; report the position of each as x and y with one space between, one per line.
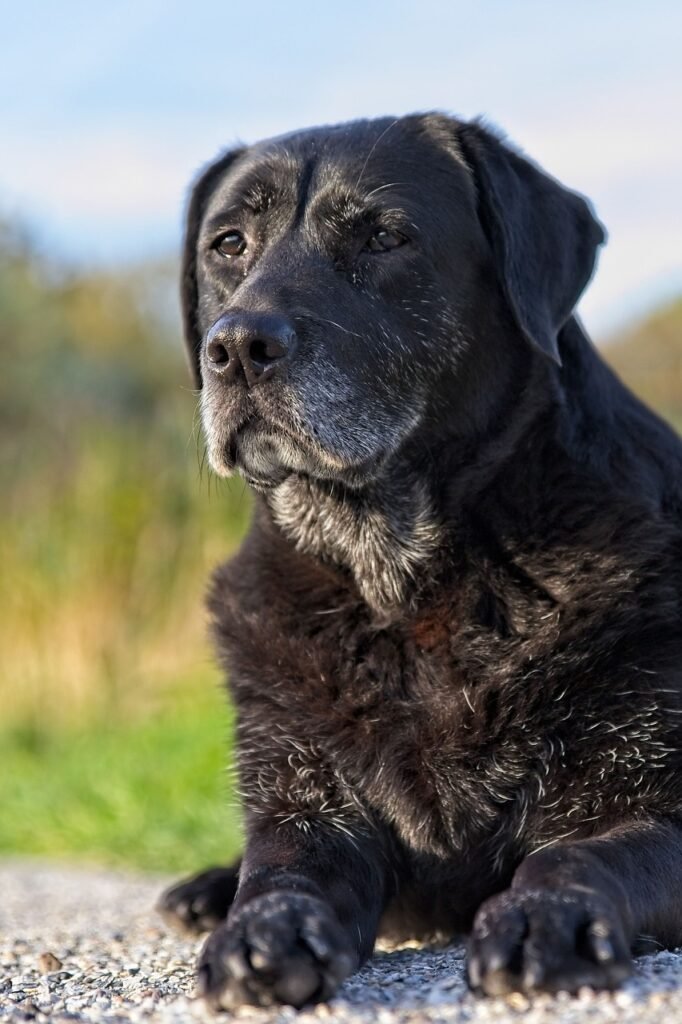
453 634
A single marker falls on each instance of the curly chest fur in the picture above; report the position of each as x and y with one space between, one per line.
455 730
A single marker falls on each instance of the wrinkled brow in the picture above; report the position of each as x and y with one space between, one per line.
348 208
256 189
253 197
259 194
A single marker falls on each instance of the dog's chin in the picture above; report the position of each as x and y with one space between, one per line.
266 455
260 456
265 458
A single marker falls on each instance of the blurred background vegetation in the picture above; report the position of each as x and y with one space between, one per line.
114 734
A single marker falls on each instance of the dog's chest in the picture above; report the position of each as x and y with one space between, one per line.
437 762
399 727
468 733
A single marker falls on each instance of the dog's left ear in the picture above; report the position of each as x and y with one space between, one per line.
544 238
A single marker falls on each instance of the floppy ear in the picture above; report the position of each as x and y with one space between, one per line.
544 238
189 297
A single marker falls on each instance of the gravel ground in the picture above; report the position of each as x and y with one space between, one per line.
80 945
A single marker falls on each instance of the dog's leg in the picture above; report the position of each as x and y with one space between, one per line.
305 916
575 912
200 903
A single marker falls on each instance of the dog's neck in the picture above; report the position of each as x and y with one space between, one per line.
388 536
391 535
385 536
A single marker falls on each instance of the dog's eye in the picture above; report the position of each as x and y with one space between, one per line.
383 240
230 244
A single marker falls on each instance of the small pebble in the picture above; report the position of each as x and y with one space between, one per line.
29 1010
518 1001
48 963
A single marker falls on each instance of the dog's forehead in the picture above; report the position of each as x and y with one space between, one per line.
360 157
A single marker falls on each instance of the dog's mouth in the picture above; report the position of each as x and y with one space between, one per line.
257 437
253 450
264 453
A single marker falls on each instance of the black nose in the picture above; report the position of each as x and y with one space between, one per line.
255 344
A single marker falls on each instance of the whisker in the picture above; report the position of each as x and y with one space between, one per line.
340 327
369 155
391 184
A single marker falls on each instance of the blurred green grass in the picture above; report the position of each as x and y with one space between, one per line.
114 737
152 792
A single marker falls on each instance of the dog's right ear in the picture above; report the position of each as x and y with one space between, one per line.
189 297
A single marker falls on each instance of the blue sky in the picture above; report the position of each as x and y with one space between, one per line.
106 111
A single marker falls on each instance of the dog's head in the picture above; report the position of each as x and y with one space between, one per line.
344 287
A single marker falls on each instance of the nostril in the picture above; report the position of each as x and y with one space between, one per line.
249 346
217 353
263 351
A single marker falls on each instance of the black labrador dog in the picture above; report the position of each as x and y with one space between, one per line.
454 632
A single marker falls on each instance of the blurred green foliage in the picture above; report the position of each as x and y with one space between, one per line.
114 735
108 532
108 526
649 359
151 791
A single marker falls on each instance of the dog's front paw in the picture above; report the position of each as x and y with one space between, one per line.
200 903
549 941
282 947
